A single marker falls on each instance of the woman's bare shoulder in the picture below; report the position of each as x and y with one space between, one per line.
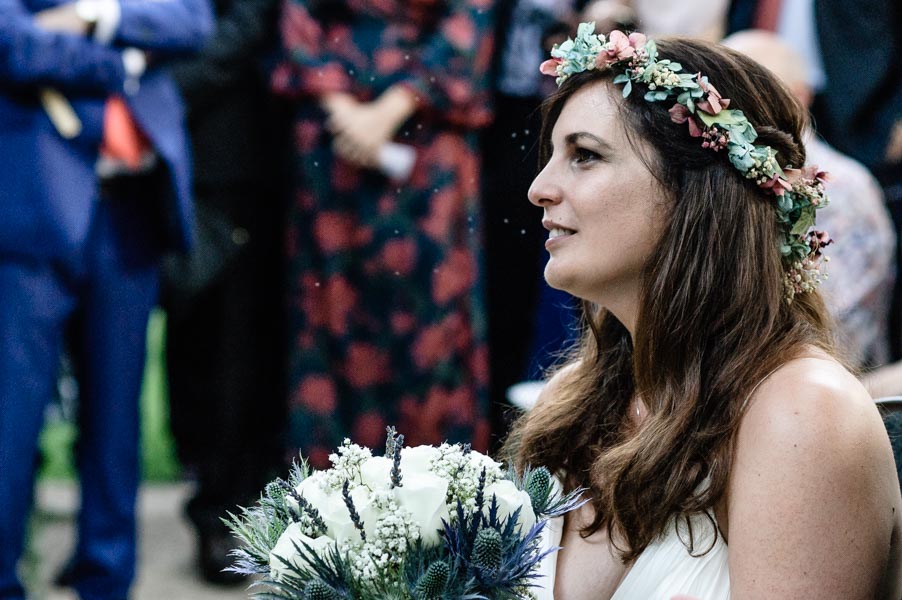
813 497
814 390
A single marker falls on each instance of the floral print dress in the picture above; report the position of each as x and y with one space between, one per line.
386 317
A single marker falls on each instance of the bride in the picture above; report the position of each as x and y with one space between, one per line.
726 451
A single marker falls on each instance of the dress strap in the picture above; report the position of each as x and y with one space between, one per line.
757 385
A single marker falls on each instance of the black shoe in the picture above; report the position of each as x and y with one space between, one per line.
214 558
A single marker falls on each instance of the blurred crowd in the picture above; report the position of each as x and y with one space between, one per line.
328 198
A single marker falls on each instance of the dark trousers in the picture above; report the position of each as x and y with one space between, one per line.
223 350
514 246
102 298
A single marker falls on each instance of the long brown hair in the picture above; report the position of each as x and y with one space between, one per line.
712 320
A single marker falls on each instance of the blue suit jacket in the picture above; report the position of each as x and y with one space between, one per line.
47 183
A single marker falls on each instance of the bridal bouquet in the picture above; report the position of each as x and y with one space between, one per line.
419 523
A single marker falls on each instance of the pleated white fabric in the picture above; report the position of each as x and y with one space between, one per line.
665 569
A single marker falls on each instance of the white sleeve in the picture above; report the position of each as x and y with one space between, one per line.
105 14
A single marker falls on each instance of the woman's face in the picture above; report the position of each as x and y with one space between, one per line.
603 209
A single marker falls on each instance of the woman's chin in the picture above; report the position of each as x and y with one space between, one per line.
557 279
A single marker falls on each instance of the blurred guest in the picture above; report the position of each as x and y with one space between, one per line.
861 269
852 50
693 18
223 300
93 185
387 323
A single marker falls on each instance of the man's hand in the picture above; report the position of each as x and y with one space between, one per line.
62 18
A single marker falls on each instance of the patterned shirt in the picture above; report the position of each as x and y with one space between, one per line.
862 261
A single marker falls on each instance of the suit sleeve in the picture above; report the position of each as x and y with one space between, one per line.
164 26
30 56
234 49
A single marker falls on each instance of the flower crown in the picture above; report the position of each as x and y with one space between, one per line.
799 192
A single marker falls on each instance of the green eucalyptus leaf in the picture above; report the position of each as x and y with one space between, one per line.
627 88
805 221
622 78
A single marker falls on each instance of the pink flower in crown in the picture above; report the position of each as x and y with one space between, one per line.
619 47
680 114
809 174
549 67
778 185
714 102
818 240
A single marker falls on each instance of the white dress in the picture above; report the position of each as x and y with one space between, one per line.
665 569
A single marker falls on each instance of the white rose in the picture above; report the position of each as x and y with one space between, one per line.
334 512
375 473
285 549
422 494
509 499
417 459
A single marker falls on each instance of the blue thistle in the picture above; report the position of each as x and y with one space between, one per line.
487 549
317 589
538 486
432 584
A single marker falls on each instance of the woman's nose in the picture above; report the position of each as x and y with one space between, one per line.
544 190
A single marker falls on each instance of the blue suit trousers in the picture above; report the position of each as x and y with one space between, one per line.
99 299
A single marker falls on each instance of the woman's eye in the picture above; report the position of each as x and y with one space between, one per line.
583 155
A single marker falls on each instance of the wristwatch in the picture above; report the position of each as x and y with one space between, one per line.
89 12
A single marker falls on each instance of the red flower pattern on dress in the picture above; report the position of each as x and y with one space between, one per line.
334 231
453 277
317 394
366 365
306 135
402 323
399 256
369 429
340 300
460 31
351 231
444 213
388 60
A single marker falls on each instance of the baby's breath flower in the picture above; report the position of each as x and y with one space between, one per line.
346 465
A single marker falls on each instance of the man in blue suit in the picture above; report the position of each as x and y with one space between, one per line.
82 226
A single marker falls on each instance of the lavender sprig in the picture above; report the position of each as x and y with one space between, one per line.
396 462
305 506
355 518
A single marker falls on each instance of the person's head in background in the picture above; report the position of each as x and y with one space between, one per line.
768 50
862 267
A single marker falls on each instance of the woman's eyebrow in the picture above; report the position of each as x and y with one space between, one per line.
583 136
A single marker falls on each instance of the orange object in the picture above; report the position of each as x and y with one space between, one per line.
123 140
